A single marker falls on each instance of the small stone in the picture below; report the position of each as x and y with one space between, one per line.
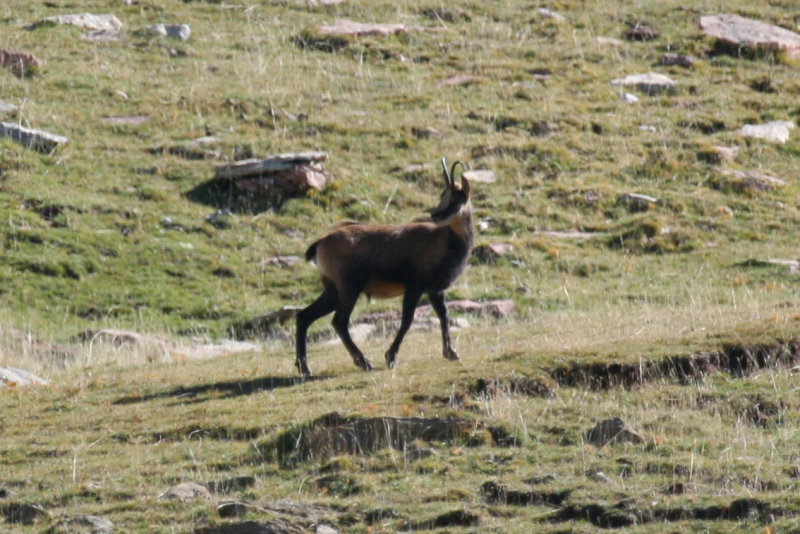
752 181
490 253
638 201
461 80
20 63
599 476
550 14
642 32
679 60
609 41
612 431
427 133
649 83
176 31
186 492
630 98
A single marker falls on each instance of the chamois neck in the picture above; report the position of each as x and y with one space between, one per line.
461 225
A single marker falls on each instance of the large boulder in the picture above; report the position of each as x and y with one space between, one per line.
737 31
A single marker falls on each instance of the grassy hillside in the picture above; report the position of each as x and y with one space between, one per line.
111 230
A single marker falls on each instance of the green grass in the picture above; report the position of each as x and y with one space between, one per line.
110 230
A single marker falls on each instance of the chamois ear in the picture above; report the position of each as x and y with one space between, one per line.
448 177
464 186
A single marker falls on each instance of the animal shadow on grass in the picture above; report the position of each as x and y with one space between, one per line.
220 194
219 390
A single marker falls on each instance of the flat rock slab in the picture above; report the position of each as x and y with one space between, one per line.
650 82
12 376
87 21
20 63
85 524
360 29
752 180
775 131
30 138
740 31
279 162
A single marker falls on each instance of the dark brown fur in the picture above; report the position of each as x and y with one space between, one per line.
385 261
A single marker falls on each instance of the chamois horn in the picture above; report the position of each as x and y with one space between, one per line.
449 177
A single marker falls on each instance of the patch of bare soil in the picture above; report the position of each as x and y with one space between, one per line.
737 360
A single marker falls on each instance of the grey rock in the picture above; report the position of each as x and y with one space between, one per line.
186 492
775 131
85 524
176 31
650 83
12 376
88 21
612 431
277 163
30 138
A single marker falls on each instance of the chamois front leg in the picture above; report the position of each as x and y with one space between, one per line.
410 301
341 320
324 305
439 306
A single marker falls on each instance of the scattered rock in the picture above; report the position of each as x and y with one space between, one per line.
282 261
642 32
30 138
637 201
427 133
609 41
741 32
680 60
490 253
460 80
498 308
5 107
128 119
220 218
12 376
599 476
186 492
717 154
360 29
793 265
20 63
649 83
610 432
27 514
85 524
550 14
775 131
87 21
176 31
751 181
630 98
481 176
287 173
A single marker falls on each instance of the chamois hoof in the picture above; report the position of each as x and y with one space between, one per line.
305 370
451 355
364 364
391 360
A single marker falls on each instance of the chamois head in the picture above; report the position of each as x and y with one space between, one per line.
455 197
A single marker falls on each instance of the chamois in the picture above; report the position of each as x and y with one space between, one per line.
385 261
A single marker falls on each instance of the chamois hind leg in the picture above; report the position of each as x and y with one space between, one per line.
439 306
341 320
410 301
324 305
